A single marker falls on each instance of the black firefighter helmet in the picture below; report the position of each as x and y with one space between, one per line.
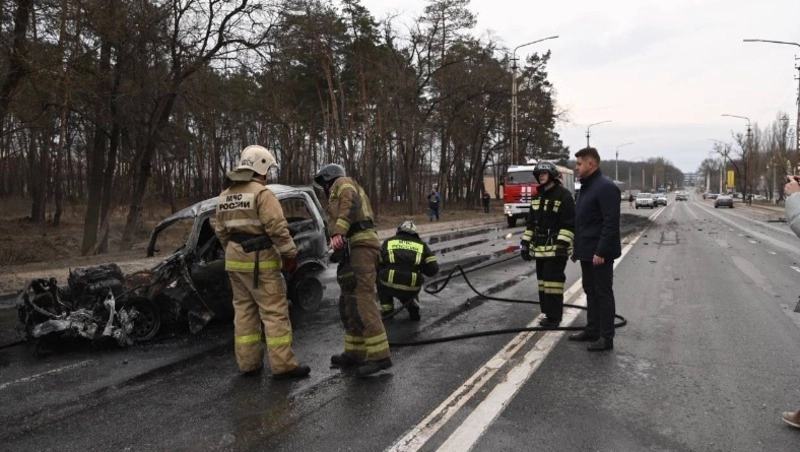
546 167
327 175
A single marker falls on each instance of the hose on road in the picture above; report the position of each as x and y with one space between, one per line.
433 287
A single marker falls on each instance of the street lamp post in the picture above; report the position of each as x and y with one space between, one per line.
724 155
796 44
616 162
590 126
746 153
514 89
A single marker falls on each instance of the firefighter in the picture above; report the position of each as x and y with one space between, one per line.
404 259
252 229
548 239
356 245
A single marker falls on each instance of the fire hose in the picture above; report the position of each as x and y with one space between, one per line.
434 287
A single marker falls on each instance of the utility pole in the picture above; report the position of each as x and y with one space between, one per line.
797 66
616 162
514 104
745 151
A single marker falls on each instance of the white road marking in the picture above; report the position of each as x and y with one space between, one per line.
796 269
44 374
772 252
753 241
475 425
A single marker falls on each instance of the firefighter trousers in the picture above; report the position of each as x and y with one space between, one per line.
256 306
364 335
551 277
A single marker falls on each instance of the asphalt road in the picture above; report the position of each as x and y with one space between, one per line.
707 362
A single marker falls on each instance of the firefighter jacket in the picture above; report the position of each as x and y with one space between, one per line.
551 223
248 210
351 214
404 259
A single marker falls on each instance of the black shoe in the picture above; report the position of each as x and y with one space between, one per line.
601 344
372 367
549 323
345 360
583 336
297 372
413 313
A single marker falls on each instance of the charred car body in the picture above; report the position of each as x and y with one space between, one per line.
189 285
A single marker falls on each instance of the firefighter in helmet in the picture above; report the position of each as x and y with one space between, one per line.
255 235
404 259
548 239
354 238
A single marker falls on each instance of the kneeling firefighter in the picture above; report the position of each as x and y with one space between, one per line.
404 259
254 233
548 238
356 248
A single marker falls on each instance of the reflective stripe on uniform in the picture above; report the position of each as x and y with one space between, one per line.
527 236
430 259
565 235
247 339
376 344
402 287
279 340
344 224
353 343
241 222
363 235
552 287
238 266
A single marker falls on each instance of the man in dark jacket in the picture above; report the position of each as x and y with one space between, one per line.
597 244
548 238
404 259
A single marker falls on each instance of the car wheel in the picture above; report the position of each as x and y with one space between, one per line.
147 319
637 207
512 221
306 293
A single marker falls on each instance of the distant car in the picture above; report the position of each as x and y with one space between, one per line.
681 196
645 200
712 195
723 201
661 199
759 198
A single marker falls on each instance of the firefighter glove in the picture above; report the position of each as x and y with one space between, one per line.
289 265
525 250
337 242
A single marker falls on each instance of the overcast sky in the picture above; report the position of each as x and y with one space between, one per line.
662 71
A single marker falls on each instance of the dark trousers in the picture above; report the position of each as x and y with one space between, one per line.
485 207
598 284
550 276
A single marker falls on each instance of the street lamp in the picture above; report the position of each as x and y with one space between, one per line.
589 127
746 150
616 162
514 125
796 44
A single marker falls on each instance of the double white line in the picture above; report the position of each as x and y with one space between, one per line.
475 425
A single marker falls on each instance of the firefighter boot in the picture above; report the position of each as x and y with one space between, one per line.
413 311
345 360
298 372
373 367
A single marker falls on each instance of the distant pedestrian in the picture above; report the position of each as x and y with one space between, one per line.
792 206
485 198
631 199
434 202
597 244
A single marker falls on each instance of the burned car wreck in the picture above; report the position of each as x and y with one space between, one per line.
190 285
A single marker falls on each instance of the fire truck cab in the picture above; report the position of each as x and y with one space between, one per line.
520 186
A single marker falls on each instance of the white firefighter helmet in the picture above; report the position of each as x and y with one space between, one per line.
254 159
407 227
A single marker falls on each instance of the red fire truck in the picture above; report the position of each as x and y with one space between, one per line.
520 186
